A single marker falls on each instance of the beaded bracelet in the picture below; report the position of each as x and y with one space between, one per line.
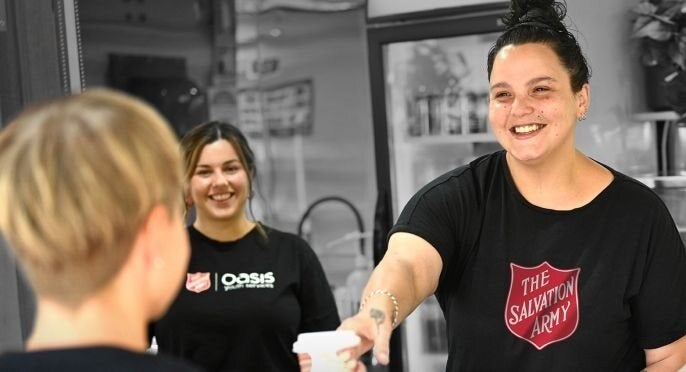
391 296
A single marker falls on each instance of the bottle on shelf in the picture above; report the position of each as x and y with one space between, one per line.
436 114
420 120
454 112
482 112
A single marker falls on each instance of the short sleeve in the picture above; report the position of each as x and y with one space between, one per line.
659 308
317 304
443 213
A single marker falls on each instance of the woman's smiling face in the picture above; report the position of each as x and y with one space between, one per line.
532 109
219 186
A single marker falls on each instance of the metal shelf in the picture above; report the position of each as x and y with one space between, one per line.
664 181
656 116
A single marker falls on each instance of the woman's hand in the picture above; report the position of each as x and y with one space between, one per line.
374 330
398 284
348 363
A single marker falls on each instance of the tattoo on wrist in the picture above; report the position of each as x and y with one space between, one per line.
394 320
378 316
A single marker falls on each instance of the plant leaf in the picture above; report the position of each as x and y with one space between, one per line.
673 10
644 8
653 29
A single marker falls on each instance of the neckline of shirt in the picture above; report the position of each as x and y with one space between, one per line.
514 190
218 243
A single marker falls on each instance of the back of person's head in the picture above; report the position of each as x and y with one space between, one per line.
541 21
195 140
78 177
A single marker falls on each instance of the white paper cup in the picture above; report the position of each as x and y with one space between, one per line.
323 347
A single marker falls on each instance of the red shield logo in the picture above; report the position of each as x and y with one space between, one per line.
198 282
543 303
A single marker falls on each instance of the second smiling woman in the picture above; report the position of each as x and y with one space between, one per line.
250 289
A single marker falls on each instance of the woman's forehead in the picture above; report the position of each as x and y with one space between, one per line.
523 62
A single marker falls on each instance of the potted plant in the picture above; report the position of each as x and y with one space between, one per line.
661 27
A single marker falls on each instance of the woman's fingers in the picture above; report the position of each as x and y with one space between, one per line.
346 356
305 362
382 344
360 367
358 326
372 334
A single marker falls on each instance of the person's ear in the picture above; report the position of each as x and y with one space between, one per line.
583 100
151 236
152 265
187 199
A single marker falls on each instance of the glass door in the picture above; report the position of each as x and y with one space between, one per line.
429 99
437 106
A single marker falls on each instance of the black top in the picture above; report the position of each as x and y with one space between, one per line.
96 359
245 302
534 289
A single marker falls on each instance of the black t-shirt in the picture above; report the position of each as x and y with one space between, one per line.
534 289
245 302
96 359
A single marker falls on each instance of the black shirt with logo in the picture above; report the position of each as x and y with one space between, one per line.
533 289
245 302
91 359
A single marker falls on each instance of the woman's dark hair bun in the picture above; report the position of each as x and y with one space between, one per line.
536 12
542 21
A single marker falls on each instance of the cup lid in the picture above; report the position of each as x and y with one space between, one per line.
326 341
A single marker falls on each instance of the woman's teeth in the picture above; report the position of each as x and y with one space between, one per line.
525 129
220 197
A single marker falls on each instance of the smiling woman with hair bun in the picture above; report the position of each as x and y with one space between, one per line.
541 258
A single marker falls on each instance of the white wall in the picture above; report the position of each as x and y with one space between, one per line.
339 154
609 134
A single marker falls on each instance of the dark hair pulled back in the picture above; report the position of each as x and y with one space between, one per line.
541 21
197 138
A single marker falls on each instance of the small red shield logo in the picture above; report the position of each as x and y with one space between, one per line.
543 303
198 282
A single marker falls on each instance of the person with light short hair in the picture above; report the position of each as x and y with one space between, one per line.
90 189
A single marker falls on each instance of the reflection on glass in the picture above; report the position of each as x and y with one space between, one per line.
437 110
439 86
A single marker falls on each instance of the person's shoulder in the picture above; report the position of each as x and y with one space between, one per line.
633 189
89 358
162 363
284 240
280 237
634 197
11 360
467 176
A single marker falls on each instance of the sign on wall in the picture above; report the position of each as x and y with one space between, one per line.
285 110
